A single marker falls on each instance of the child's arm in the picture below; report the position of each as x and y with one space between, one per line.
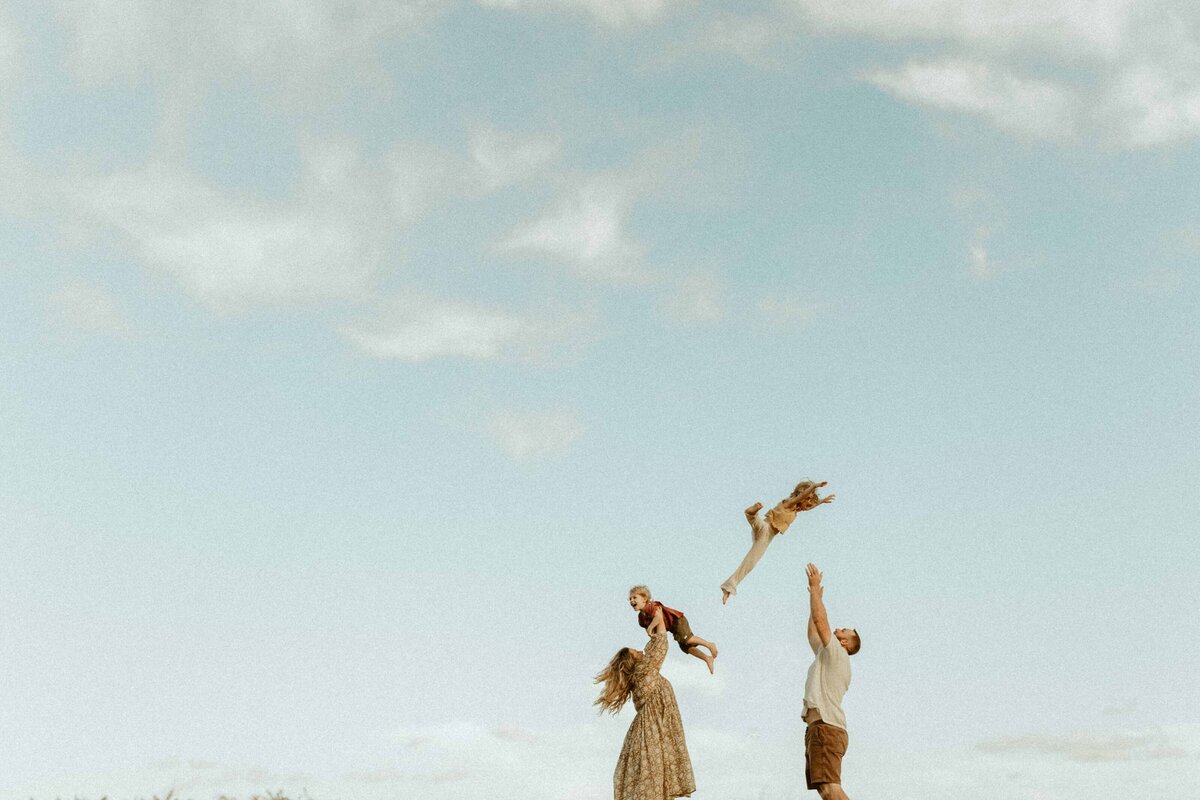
808 501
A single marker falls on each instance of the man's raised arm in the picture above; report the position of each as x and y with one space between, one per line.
818 620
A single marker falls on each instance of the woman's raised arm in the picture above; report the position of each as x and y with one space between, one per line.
656 651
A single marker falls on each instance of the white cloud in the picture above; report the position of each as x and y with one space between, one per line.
1030 108
980 263
467 759
11 43
1152 105
88 307
231 252
1089 747
529 437
184 778
980 259
745 37
421 328
1123 71
275 42
610 13
1072 28
504 159
424 176
586 230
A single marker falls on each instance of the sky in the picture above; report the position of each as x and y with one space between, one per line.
357 357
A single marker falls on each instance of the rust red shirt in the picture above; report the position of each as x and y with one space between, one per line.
670 615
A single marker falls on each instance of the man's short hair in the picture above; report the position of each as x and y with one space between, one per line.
857 643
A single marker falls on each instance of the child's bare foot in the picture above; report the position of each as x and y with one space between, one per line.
709 660
752 510
725 595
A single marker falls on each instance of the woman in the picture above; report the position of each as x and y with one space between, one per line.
654 762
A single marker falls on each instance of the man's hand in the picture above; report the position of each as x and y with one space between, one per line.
814 577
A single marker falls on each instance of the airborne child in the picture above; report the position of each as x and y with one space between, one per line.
655 617
803 498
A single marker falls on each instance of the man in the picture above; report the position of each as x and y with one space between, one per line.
825 739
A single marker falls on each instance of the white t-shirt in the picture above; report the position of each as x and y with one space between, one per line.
827 682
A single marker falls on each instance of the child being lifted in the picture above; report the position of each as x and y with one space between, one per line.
655 617
803 498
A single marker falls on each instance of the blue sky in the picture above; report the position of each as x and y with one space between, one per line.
359 356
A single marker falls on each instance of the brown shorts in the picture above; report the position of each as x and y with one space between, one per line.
824 746
682 631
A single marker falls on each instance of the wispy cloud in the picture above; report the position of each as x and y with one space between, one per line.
1088 747
184 777
1154 104
229 251
88 307
10 55
1118 73
1076 28
527 437
979 258
748 38
504 158
586 230
280 43
609 13
458 759
419 327
234 251
1031 108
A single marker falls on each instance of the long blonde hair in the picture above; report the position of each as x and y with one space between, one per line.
805 487
617 678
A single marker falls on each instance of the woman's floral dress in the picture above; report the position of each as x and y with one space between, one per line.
654 762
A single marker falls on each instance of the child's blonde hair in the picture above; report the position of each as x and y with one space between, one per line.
644 591
803 488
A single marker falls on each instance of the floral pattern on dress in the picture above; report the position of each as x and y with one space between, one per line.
654 762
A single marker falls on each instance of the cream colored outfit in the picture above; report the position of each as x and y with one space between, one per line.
761 534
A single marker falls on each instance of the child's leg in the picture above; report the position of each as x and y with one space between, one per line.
762 534
693 648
